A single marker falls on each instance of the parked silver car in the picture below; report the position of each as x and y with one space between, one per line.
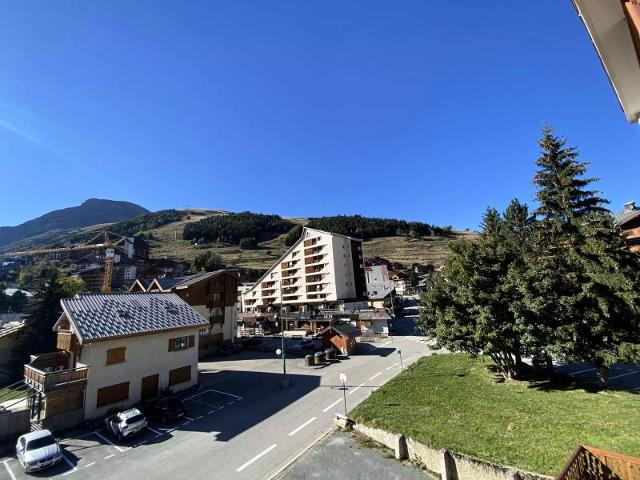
38 450
124 424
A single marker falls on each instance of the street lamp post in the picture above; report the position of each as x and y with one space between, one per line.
343 380
285 381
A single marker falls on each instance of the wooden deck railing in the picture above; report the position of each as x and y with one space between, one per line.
588 463
44 381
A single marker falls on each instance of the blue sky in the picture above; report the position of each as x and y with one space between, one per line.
424 110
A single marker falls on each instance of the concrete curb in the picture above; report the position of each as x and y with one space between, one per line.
287 463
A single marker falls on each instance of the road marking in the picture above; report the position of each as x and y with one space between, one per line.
292 433
186 423
331 406
6 466
624 375
73 467
257 457
212 411
392 366
217 391
141 443
111 443
154 431
109 456
198 418
356 389
231 402
89 464
384 344
582 371
376 375
188 418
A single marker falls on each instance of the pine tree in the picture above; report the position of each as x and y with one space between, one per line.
37 335
580 291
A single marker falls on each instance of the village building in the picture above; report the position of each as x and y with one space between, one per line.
341 336
114 350
629 222
212 294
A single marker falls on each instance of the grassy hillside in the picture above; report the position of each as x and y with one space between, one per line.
168 241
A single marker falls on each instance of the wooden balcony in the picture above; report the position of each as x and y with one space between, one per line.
289 273
315 269
45 381
312 251
632 233
314 259
588 463
311 242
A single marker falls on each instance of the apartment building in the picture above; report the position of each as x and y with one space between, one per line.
320 271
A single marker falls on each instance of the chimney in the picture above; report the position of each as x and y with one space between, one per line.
630 206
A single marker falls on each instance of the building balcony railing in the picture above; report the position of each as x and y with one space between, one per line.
289 290
289 264
44 381
311 242
312 251
289 273
314 269
289 281
315 278
632 233
314 259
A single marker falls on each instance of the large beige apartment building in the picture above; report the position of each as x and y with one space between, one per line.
320 270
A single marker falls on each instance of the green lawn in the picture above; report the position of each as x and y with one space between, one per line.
15 394
454 402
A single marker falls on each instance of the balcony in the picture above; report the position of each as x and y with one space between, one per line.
314 259
312 251
289 291
289 281
311 242
50 371
314 269
290 264
315 278
316 288
289 273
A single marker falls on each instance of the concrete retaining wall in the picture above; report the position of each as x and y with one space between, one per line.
65 420
449 465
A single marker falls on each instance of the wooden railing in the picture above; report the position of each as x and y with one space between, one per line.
44 381
588 463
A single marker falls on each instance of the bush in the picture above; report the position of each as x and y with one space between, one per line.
248 243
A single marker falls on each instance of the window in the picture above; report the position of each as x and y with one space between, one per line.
112 394
181 343
115 355
203 332
179 375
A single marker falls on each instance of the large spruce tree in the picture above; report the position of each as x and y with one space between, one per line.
580 291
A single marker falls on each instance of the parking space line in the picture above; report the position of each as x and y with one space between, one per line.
625 374
331 406
198 418
111 443
582 371
376 375
188 418
231 402
257 457
356 389
384 344
9 471
141 443
212 411
89 464
73 467
292 433
154 431
392 366
212 390
109 456
186 423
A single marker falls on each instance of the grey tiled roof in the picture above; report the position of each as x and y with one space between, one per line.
102 316
343 329
169 283
625 215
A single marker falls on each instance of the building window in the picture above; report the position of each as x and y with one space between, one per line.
112 394
181 343
115 355
203 332
179 375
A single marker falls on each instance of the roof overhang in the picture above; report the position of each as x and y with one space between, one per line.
614 27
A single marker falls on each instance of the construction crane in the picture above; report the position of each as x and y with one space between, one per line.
108 245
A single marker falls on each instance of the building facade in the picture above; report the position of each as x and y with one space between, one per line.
629 222
114 350
320 269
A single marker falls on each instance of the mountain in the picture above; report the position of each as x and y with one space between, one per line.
90 212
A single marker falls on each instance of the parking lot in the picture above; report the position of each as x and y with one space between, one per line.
96 448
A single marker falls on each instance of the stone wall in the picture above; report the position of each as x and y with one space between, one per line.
448 465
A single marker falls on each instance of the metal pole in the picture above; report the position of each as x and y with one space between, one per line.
344 391
401 364
285 380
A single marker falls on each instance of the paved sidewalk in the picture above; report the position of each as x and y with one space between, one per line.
339 456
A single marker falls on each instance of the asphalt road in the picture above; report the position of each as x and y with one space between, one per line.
242 424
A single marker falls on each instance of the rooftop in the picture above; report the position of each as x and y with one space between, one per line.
103 316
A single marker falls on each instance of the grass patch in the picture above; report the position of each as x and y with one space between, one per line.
453 402
10 394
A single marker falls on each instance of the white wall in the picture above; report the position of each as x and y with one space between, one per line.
145 355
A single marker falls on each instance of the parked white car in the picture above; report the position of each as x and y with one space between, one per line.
38 450
124 424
